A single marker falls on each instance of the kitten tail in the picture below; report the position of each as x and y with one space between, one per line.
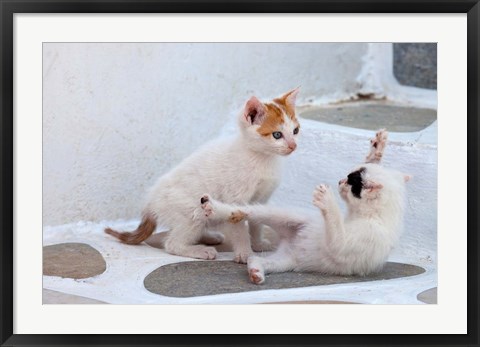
143 232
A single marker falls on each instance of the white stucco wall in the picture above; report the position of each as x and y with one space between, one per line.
118 115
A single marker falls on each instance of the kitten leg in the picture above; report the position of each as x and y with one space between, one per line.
324 199
217 212
240 238
183 240
231 220
278 219
280 261
259 242
282 221
377 147
212 237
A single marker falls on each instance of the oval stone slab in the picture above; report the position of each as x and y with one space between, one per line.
72 260
198 278
59 298
428 296
374 116
312 302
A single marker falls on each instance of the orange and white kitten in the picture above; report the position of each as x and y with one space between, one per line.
243 169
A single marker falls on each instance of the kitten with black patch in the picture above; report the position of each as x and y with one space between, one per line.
356 244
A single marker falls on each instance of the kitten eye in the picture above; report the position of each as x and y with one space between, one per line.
295 131
277 135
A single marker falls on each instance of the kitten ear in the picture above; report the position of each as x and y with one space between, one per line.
291 97
372 186
254 111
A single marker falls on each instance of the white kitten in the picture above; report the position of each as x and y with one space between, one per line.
355 245
241 170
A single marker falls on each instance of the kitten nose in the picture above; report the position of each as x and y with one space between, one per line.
342 181
292 146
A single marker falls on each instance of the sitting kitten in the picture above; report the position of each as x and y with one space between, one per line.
355 245
241 170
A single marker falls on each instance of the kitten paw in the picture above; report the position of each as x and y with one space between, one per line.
255 276
207 253
207 207
377 148
242 257
322 196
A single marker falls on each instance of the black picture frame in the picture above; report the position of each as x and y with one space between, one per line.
9 7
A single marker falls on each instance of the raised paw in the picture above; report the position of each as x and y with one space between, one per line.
256 276
207 207
377 148
322 196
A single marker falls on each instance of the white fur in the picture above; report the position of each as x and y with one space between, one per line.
240 170
356 244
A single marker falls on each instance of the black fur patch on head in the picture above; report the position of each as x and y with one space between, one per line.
355 180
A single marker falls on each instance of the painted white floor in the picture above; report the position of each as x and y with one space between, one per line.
127 266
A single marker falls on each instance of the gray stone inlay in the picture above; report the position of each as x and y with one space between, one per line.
310 302
374 116
72 260
198 278
415 64
428 296
52 297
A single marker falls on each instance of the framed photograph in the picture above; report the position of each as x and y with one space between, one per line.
246 173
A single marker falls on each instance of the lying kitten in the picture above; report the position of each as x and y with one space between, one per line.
241 170
355 245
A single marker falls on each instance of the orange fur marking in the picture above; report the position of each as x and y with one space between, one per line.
276 111
273 118
143 232
237 216
289 108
